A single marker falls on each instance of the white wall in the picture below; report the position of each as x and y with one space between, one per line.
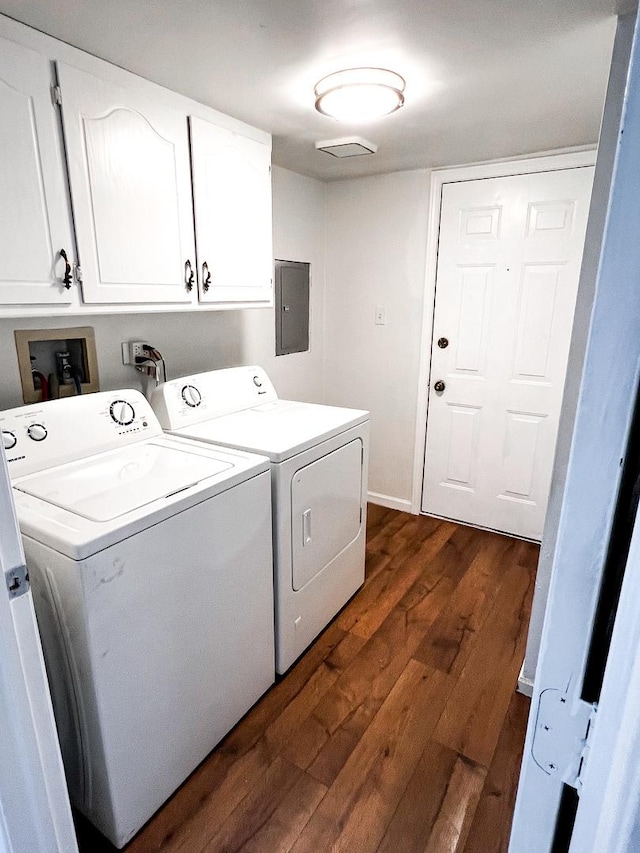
376 247
192 342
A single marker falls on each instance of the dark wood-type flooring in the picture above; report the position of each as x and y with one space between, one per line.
397 731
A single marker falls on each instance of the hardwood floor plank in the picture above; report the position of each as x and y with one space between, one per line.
491 826
528 554
380 538
377 517
365 614
252 813
475 710
449 640
456 813
375 563
357 808
287 725
280 805
289 819
410 827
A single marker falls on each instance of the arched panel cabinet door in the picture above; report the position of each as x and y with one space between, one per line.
128 159
232 202
35 223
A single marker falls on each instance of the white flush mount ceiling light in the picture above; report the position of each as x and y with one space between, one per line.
360 94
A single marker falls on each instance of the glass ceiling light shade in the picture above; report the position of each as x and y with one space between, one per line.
360 94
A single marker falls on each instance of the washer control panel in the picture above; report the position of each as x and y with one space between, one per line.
46 434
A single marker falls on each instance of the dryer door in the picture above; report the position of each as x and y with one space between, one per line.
326 502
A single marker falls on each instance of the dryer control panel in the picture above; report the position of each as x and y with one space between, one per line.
193 399
58 431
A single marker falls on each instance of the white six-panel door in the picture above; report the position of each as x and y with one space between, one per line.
35 222
131 189
508 265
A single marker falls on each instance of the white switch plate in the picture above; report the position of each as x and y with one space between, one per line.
381 315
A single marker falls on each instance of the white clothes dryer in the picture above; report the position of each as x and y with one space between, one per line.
319 457
151 566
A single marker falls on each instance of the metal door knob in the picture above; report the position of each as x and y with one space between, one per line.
439 386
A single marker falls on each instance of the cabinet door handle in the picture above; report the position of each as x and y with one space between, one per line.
189 275
66 278
206 277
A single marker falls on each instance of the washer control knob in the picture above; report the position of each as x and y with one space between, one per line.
9 439
38 432
191 396
122 412
257 381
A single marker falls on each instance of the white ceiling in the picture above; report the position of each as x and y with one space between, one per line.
485 78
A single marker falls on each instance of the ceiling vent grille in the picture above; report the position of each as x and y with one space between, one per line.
349 146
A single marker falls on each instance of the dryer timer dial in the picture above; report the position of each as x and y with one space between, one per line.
191 396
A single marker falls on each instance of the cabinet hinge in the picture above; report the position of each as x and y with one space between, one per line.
564 728
57 95
17 581
78 273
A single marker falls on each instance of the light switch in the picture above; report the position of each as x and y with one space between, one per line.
381 315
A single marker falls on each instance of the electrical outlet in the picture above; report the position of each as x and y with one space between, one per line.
132 350
380 315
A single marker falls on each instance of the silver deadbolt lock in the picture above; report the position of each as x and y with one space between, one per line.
443 343
439 386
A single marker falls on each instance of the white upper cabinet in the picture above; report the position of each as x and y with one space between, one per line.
232 202
34 218
128 160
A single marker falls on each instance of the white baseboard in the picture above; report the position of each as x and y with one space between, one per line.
525 685
389 502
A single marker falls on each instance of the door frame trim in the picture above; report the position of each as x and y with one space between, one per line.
439 177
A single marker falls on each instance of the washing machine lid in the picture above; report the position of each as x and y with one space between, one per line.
115 483
278 429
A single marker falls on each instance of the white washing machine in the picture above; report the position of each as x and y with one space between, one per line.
319 457
151 565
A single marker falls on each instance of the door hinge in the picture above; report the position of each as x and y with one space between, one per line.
17 581
564 728
57 95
